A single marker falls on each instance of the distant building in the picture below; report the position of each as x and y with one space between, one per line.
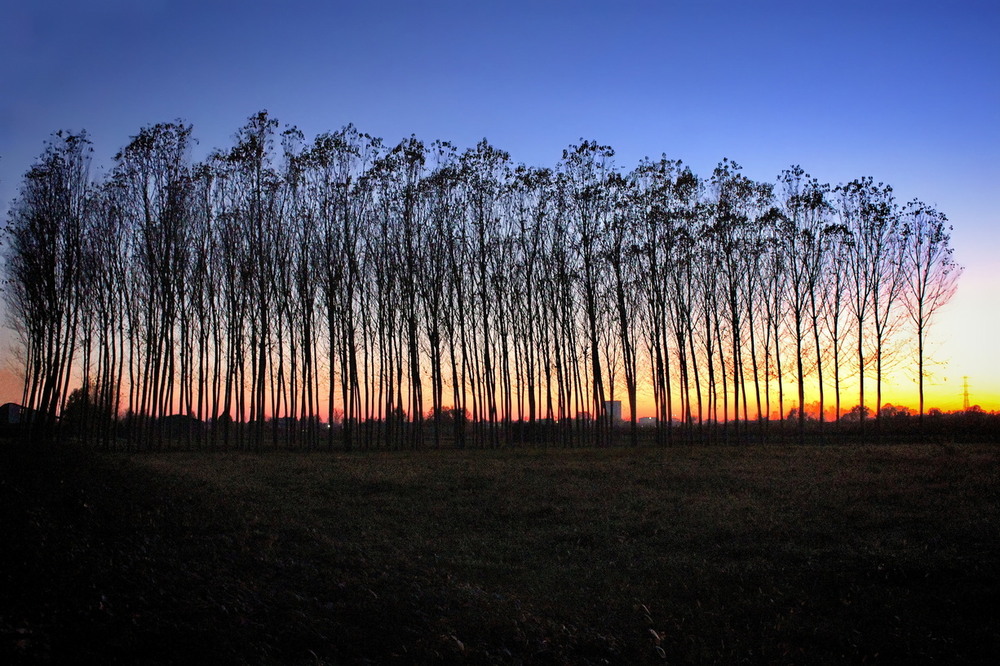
178 425
14 414
613 408
647 421
14 419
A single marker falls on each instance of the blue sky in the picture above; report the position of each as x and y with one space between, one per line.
906 92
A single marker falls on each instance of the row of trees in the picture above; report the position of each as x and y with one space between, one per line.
419 292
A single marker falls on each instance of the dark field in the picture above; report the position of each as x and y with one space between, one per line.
685 555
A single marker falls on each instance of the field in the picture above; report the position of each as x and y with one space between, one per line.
835 554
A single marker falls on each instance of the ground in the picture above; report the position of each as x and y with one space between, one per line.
679 555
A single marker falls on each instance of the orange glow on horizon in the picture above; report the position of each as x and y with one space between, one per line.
946 396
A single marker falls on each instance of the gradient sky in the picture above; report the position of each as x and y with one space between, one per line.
907 92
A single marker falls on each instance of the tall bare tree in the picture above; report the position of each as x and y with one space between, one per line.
44 264
930 275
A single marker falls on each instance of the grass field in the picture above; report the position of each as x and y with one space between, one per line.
683 555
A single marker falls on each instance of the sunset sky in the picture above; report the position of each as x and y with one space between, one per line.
907 92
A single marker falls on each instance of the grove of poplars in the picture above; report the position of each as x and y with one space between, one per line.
419 292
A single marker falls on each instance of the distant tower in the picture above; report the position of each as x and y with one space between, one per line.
965 393
613 408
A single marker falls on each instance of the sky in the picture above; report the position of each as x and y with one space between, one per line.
907 92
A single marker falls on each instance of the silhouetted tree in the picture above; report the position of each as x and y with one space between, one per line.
259 289
930 275
44 268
